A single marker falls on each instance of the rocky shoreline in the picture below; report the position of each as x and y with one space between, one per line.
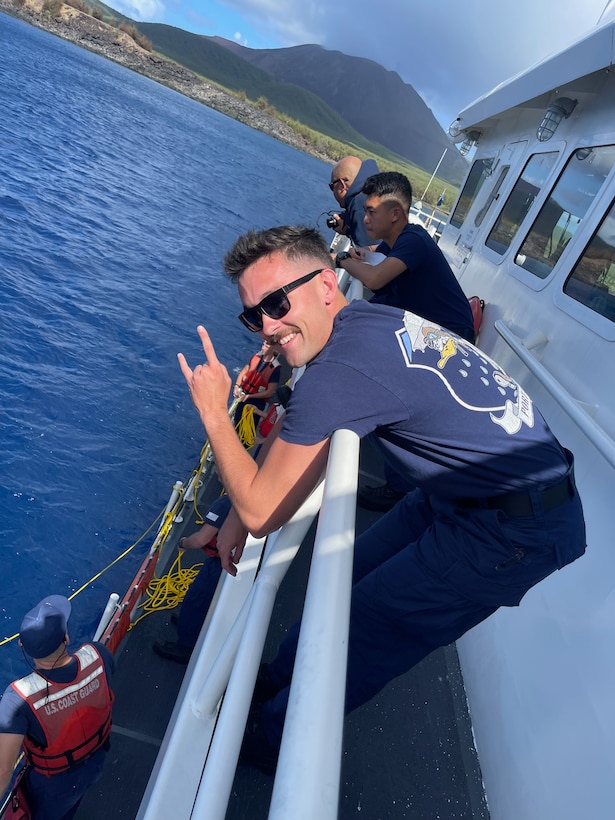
110 42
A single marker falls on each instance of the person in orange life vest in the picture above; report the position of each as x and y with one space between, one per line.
271 415
59 714
257 381
201 591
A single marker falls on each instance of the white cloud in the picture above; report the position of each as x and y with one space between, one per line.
145 10
239 38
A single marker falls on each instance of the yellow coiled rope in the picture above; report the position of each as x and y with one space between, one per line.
168 591
246 427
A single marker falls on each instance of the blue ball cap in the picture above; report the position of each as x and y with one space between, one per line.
44 627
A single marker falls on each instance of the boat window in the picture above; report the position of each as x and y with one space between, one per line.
592 281
563 211
521 198
495 192
478 174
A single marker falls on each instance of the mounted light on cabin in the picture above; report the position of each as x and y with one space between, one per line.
455 131
557 110
471 138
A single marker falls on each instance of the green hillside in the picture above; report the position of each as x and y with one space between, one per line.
218 64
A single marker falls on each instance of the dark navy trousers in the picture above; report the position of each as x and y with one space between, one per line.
58 797
196 602
427 572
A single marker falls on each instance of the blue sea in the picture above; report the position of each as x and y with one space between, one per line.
118 200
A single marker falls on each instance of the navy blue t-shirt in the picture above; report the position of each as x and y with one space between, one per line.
355 200
446 415
428 286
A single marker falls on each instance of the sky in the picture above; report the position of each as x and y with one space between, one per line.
451 52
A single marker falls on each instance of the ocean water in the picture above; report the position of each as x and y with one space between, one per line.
118 200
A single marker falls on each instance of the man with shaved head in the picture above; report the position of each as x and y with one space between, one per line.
347 178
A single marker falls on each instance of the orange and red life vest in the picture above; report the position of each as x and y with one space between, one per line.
258 374
75 716
268 423
211 550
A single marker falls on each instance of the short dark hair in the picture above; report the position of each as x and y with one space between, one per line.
294 241
390 184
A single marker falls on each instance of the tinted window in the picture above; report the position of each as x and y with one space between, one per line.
495 192
521 198
478 174
563 211
592 281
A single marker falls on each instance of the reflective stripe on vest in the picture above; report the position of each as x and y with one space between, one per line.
75 717
34 682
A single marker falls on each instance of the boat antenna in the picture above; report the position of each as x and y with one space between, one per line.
436 171
604 10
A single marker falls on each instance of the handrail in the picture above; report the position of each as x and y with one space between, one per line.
309 767
598 437
194 772
240 660
175 782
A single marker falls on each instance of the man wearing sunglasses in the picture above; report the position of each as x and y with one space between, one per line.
347 178
495 510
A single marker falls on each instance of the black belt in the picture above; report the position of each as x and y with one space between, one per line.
519 505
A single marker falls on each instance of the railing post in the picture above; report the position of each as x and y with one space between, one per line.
308 775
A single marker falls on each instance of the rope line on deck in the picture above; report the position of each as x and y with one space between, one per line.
178 578
168 591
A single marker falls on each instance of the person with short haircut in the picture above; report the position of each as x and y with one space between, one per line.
347 178
59 714
495 511
414 276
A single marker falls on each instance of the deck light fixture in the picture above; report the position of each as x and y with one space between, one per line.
471 138
455 131
561 108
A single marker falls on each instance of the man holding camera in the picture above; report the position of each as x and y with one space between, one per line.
347 178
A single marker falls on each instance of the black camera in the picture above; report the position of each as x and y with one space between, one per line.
331 222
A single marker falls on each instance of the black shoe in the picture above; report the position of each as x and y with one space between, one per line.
264 688
256 750
378 498
172 651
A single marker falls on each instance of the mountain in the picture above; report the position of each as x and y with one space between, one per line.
350 99
375 101
208 58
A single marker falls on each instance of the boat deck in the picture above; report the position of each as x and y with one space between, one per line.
407 753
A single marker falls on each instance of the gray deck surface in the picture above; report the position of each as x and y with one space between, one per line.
408 753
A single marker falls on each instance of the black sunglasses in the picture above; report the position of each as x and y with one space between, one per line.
334 182
276 305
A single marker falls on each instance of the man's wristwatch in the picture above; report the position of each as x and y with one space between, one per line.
340 258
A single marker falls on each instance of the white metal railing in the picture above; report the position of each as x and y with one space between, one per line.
194 772
588 426
308 774
237 665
